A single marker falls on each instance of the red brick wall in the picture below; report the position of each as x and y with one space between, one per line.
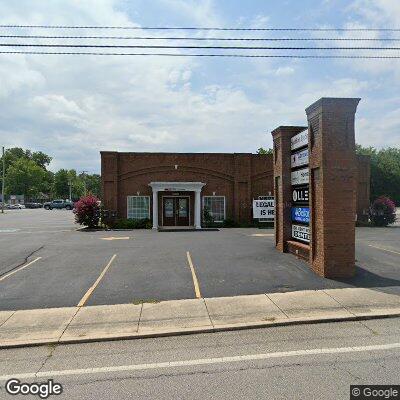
240 177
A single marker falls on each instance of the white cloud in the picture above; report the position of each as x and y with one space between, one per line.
282 71
74 106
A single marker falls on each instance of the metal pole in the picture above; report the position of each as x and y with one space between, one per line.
84 181
70 190
2 183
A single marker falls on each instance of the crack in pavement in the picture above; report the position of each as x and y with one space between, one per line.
52 348
179 374
23 262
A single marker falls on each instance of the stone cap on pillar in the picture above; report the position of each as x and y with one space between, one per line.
334 104
287 130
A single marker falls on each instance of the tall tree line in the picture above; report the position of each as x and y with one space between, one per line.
26 173
385 170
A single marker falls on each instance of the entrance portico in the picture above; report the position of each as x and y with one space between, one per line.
174 212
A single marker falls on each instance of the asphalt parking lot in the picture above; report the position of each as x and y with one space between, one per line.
45 262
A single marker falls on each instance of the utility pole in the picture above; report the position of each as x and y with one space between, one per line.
70 189
2 182
84 182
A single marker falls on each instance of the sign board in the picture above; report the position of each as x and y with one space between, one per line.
301 214
300 177
301 232
264 208
300 194
299 140
300 158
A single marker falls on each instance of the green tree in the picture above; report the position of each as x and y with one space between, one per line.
63 178
385 171
93 184
11 156
41 159
261 150
25 177
16 153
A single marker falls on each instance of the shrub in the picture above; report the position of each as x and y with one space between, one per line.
87 211
133 224
382 211
229 223
208 219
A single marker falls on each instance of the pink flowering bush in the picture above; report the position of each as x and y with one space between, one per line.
382 211
87 211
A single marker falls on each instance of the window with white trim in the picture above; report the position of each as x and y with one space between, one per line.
216 207
138 207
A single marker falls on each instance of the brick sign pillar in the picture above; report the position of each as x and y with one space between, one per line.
332 165
282 169
315 175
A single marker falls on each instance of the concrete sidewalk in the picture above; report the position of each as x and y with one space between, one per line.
128 321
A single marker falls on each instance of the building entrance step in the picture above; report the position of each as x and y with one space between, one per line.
184 229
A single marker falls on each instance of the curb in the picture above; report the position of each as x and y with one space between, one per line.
190 331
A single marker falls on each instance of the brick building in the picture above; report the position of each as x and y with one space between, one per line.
172 189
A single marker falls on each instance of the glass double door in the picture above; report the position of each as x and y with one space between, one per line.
175 211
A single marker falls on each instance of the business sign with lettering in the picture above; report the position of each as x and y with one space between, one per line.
300 194
301 214
264 208
301 232
300 158
300 176
299 140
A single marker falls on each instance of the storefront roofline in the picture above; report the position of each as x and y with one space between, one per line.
175 186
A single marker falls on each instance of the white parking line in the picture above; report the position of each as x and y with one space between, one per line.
204 361
381 248
19 269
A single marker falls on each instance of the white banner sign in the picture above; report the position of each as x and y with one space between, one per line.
301 232
300 177
299 140
264 209
300 158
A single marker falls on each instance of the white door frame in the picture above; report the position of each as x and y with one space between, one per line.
178 187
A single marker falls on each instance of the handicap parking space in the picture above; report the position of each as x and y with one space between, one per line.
71 267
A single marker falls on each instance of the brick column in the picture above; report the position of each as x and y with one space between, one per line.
242 189
282 183
109 179
332 164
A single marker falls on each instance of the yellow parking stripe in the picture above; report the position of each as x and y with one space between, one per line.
381 248
93 287
19 269
195 281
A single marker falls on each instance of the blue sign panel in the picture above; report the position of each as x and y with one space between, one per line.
301 214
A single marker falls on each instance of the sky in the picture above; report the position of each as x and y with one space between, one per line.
73 107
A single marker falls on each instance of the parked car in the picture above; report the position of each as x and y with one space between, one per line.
33 205
67 204
15 206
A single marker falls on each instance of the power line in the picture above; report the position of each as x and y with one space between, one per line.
196 38
202 55
206 28
112 46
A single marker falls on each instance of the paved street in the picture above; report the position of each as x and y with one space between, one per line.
45 262
257 364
